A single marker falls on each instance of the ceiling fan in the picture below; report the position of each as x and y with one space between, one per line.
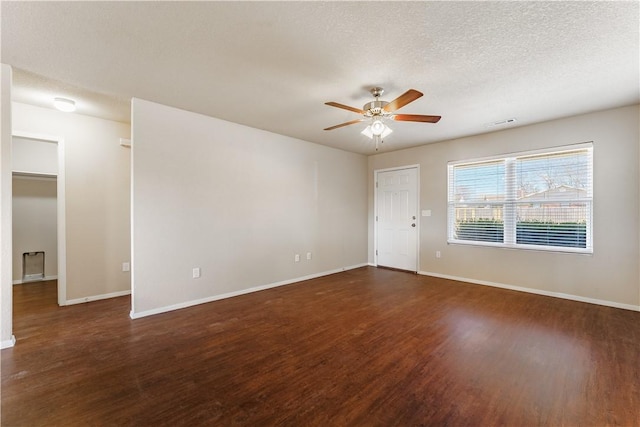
377 112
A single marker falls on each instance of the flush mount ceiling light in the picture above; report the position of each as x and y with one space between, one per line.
64 104
378 111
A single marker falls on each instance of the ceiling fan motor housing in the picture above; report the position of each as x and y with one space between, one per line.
374 108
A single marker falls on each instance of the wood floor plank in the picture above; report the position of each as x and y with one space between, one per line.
366 347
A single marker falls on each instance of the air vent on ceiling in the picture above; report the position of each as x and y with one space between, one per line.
500 123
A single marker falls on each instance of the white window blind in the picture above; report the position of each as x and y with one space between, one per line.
541 200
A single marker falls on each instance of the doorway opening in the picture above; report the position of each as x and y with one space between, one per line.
38 207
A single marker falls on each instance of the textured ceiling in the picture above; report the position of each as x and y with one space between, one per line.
272 65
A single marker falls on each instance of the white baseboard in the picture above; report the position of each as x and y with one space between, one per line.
8 343
97 297
238 293
44 279
536 291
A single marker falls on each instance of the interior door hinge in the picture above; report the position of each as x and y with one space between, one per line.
376 184
376 217
376 252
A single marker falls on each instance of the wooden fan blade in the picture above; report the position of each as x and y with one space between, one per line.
415 118
345 124
407 97
345 107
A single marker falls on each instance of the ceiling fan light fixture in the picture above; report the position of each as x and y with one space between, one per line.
377 127
367 132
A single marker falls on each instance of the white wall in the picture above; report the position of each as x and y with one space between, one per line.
609 275
6 291
35 223
97 202
34 156
238 203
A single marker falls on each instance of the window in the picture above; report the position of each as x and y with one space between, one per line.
536 200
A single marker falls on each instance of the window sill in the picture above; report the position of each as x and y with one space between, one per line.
535 248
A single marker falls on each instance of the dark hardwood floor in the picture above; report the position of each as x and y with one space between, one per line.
367 347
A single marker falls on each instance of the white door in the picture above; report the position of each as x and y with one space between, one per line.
396 218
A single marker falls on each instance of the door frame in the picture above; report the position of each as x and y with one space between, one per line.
60 200
375 210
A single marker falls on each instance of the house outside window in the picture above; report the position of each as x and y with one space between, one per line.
535 200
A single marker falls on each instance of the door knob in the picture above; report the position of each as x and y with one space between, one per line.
413 225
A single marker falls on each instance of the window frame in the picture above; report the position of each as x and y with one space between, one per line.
510 203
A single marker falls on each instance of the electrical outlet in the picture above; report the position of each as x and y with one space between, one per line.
438 254
308 255
296 258
126 266
196 273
